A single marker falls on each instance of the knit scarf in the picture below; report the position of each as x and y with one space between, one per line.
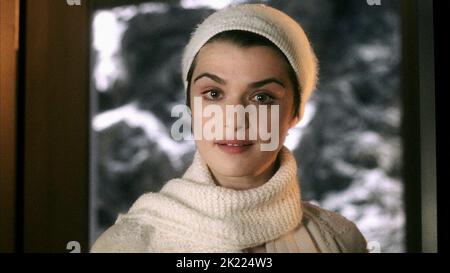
193 214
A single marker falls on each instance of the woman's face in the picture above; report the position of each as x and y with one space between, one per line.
225 74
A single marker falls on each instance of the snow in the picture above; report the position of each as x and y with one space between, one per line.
153 128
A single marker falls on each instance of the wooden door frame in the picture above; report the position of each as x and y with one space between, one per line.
56 125
9 33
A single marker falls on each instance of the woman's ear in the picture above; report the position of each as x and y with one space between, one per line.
294 121
297 117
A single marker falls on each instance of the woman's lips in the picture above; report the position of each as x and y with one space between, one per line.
234 146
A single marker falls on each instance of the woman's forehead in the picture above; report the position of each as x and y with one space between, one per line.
231 61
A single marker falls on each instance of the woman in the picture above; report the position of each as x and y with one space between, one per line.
236 196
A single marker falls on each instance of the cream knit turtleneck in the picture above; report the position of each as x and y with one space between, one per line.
193 214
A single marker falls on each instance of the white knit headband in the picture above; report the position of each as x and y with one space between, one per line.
268 22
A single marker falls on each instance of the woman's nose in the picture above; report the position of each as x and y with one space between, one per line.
236 117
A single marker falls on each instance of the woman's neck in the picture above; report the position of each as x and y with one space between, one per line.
245 182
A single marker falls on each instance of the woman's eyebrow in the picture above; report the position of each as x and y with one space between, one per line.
212 77
251 85
266 81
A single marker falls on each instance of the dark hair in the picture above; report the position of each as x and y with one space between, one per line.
245 39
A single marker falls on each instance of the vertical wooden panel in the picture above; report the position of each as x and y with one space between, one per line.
411 125
427 126
419 131
56 126
8 92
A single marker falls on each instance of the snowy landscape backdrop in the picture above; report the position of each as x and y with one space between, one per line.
347 146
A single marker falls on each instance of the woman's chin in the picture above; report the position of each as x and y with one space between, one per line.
235 167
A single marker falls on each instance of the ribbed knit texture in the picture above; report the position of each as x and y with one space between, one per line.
268 22
193 214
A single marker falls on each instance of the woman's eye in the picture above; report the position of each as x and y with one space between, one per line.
212 94
263 98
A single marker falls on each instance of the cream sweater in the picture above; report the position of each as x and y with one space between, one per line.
193 214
